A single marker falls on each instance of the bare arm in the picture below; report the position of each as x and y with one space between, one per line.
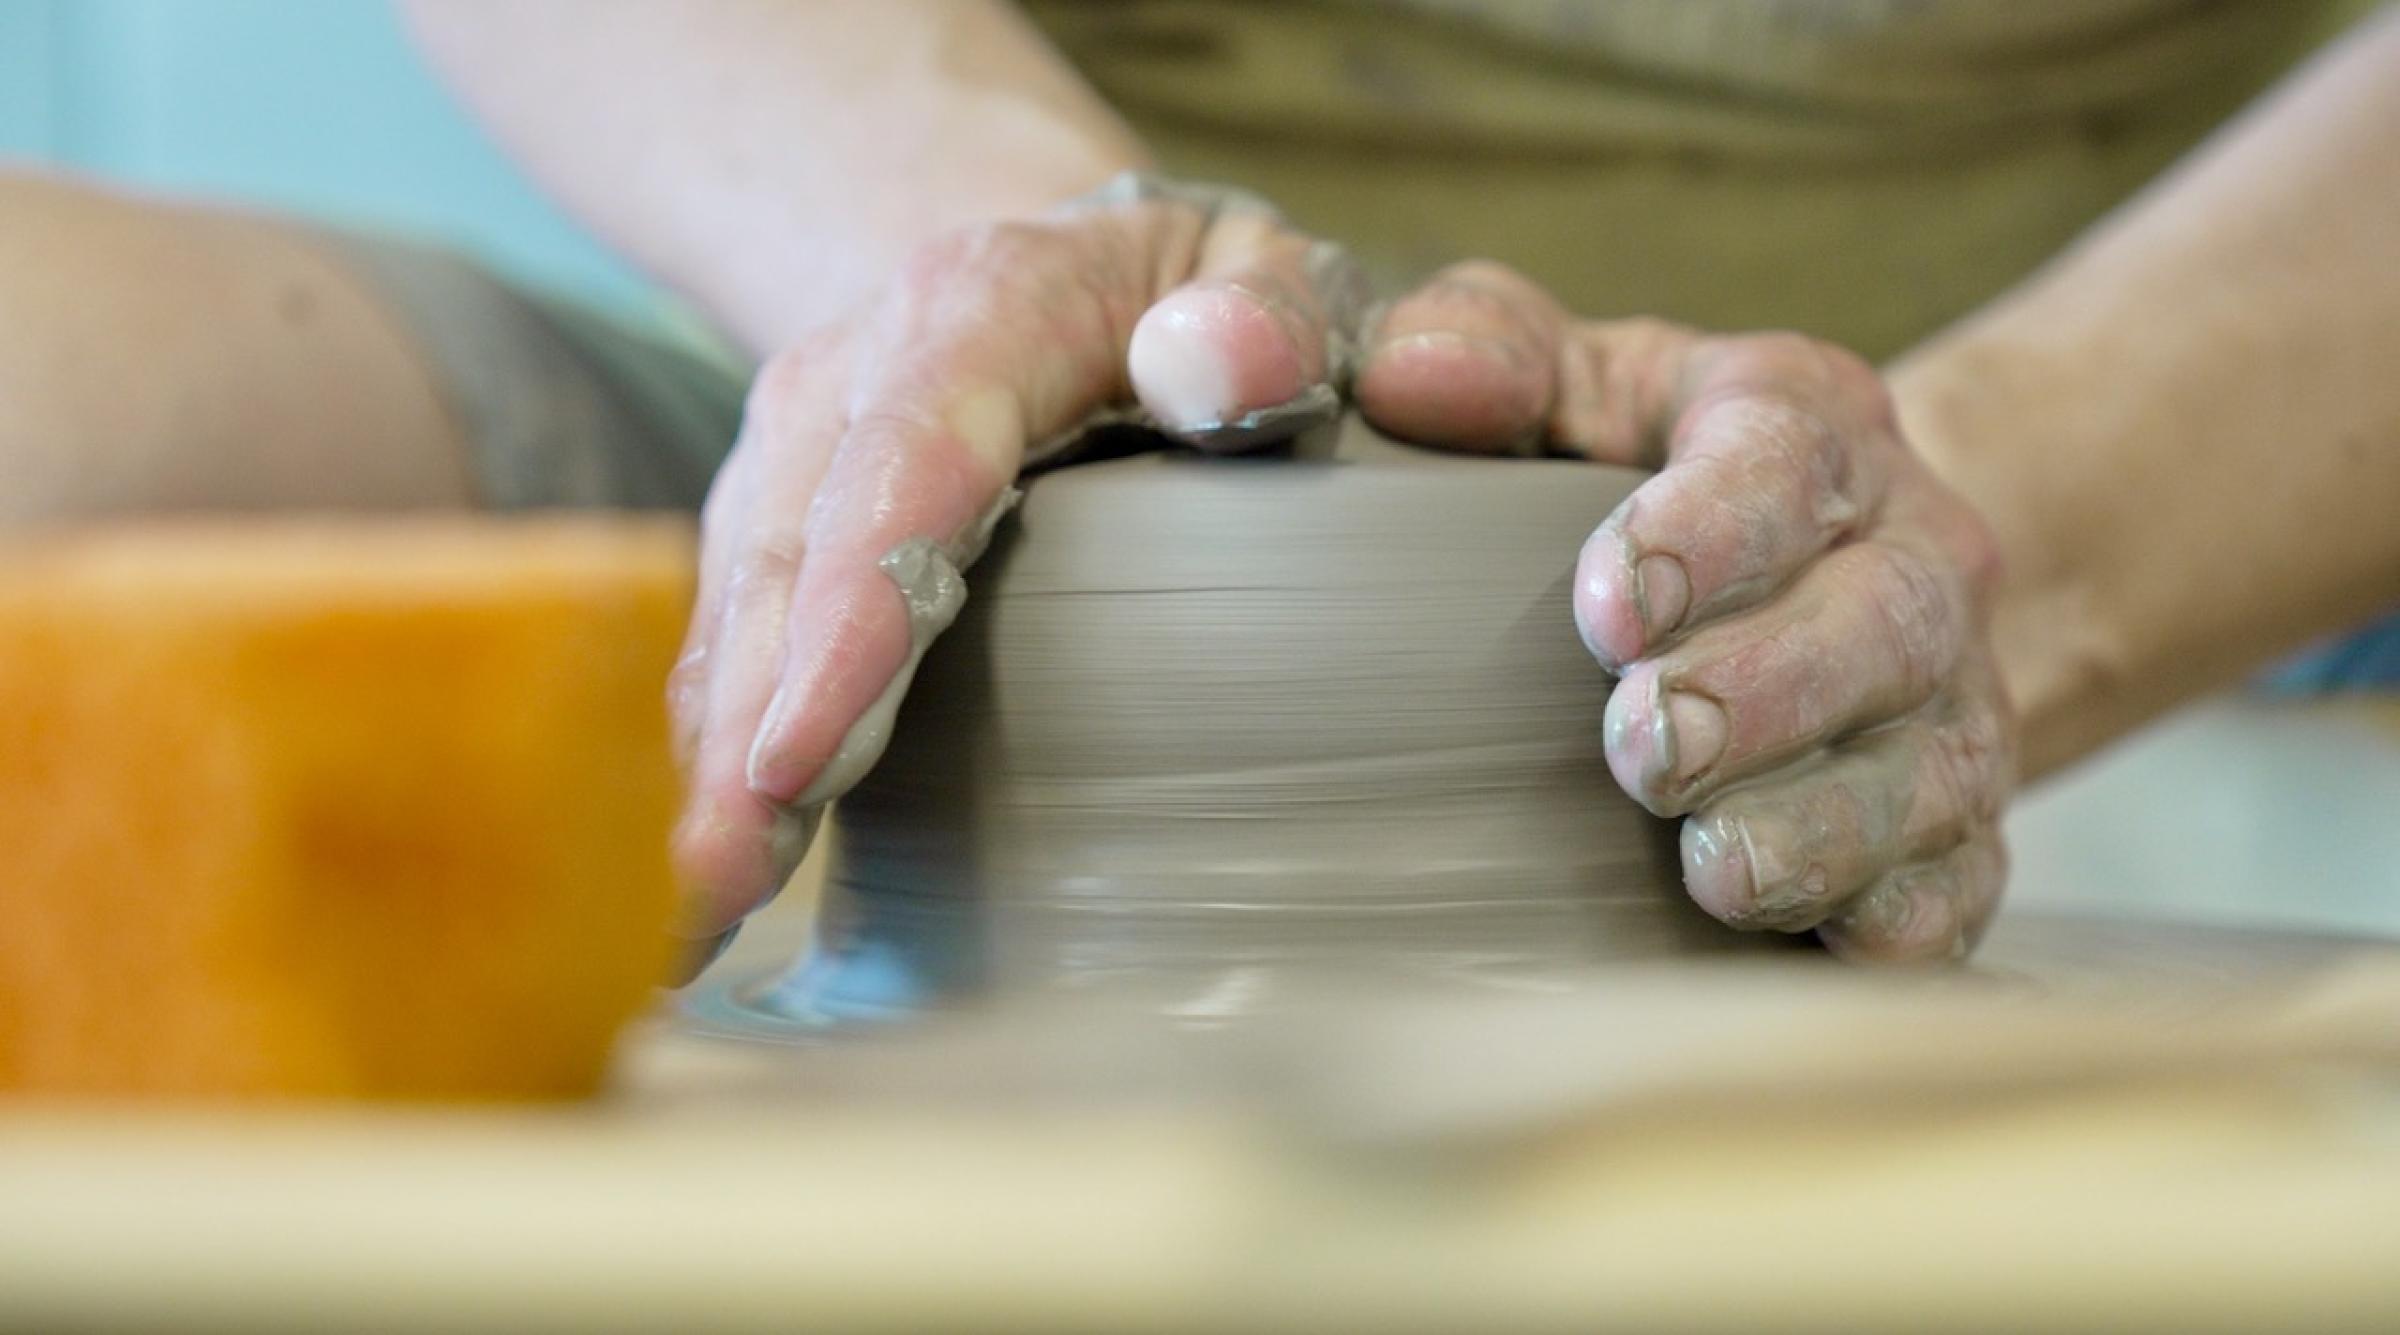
776 159
2186 431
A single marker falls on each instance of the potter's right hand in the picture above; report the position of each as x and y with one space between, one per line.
908 422
1797 607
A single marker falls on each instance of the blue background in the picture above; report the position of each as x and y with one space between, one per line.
315 106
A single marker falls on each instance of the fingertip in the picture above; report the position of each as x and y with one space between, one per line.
1634 738
773 763
1212 353
695 957
1718 867
722 854
1606 600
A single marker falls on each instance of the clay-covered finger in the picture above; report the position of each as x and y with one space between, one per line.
731 847
902 510
688 682
1867 634
724 840
1762 475
1468 361
1255 348
1929 912
1789 851
988 342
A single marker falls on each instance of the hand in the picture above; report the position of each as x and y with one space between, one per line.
905 425
1796 605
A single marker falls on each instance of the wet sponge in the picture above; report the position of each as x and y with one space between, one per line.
373 809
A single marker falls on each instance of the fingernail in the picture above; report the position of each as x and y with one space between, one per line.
1591 642
759 765
698 955
1665 594
1178 371
1717 865
1603 596
1695 734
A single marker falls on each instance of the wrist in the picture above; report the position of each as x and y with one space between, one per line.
2064 659
772 293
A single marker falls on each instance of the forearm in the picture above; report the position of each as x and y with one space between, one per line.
774 158
2186 431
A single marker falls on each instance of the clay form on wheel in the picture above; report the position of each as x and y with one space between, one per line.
1207 722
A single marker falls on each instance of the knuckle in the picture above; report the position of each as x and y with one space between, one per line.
726 493
783 381
984 246
1484 275
939 271
1647 330
1931 928
1855 381
1063 282
687 687
789 370
1846 385
1916 619
1989 876
1879 923
1658 357
1968 764
1486 294
1782 351
1794 437
1843 368
1964 888
797 380
1774 361
1812 469
1987 744
764 569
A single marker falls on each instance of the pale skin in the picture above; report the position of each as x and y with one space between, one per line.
2154 465
156 357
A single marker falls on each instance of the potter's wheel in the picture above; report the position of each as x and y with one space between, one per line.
2148 969
1358 1062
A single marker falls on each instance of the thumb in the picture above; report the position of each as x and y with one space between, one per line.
1257 345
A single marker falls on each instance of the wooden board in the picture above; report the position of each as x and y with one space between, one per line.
1813 1151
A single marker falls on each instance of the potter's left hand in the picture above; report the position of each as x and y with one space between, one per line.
1796 605
876 452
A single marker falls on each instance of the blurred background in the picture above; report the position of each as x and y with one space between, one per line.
319 107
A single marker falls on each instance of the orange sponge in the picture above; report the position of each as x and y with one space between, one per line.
334 807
